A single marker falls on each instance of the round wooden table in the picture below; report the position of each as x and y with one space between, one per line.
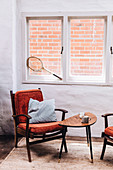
76 122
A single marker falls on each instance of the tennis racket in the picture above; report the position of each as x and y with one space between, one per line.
39 66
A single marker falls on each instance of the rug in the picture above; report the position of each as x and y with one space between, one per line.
45 157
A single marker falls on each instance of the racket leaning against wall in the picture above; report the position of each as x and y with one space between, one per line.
39 65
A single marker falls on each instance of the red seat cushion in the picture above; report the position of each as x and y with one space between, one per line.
42 128
109 131
22 100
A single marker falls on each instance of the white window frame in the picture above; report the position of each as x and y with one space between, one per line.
94 79
65 43
36 78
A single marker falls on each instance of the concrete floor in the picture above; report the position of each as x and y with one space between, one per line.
7 144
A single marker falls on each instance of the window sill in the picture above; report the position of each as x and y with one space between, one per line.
67 83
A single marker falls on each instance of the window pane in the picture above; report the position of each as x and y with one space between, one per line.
87 47
112 67
45 43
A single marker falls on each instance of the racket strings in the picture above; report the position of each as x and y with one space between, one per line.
35 65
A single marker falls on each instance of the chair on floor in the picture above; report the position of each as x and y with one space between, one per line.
107 134
43 131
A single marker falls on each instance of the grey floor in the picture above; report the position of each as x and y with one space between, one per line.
7 144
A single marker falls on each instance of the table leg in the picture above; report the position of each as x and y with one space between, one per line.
87 134
65 146
63 143
89 131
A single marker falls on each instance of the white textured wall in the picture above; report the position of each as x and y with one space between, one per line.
74 98
66 5
5 65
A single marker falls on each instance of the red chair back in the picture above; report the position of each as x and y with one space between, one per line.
22 99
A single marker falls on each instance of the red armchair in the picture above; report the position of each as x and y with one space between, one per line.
22 126
107 134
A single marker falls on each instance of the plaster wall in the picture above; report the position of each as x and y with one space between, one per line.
6 80
74 98
65 5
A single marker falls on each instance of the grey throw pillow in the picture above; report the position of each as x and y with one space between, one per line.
42 111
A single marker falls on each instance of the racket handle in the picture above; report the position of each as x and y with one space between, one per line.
57 76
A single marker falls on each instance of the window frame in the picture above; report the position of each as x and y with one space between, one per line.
40 78
92 79
65 43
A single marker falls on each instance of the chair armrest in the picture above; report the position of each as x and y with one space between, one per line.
16 116
27 121
107 114
63 112
106 118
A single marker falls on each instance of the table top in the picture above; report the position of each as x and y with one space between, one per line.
76 121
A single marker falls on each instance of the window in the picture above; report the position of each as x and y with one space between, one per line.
45 42
87 37
111 51
74 46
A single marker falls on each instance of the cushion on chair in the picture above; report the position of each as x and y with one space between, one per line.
22 100
109 131
42 128
42 111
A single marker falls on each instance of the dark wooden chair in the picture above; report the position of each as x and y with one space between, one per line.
107 134
43 131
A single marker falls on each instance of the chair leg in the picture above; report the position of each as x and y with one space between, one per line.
16 139
28 149
63 143
103 150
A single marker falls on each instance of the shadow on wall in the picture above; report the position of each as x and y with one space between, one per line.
6 120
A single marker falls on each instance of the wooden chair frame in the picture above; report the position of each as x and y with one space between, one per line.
27 134
108 140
